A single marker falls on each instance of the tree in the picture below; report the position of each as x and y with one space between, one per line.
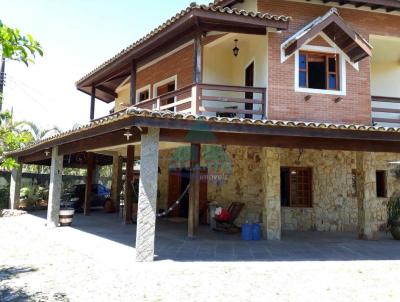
20 48
37 132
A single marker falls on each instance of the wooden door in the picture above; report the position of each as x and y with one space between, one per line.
174 190
249 81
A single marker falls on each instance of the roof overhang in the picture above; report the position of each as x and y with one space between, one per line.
335 28
387 5
187 128
169 36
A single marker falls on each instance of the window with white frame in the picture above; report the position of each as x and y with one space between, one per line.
143 94
320 70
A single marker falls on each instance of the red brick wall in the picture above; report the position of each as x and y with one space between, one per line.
285 103
179 63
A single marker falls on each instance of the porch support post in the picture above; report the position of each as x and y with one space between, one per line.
194 191
147 207
89 182
133 83
198 58
15 186
130 159
272 194
92 102
366 196
56 169
116 181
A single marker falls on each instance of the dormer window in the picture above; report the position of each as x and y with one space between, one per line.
318 70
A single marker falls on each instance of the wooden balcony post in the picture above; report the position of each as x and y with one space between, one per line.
92 102
133 83
89 182
198 58
194 191
130 159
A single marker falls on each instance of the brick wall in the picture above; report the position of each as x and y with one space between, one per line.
285 103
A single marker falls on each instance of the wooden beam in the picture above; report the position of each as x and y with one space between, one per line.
116 185
92 102
133 83
107 90
130 158
102 141
194 191
208 137
89 182
198 60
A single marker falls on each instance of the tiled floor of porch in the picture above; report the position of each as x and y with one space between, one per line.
172 243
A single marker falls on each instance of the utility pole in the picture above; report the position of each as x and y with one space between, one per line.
2 81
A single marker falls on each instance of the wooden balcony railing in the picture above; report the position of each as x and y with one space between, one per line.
385 110
214 100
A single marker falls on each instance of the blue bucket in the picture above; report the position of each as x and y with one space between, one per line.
256 231
247 231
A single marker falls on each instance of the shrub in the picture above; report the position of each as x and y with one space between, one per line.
393 209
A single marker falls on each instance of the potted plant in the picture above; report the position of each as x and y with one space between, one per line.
394 216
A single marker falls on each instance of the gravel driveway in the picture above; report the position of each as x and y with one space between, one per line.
66 264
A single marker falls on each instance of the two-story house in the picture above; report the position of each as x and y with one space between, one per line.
290 107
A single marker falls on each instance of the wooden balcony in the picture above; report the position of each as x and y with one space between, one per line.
386 110
212 100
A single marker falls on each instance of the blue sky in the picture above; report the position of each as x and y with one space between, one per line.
77 36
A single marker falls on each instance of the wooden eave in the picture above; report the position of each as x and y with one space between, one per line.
109 76
199 129
348 40
387 5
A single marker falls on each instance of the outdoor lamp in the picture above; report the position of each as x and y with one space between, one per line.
236 49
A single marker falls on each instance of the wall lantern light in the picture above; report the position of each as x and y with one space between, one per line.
236 49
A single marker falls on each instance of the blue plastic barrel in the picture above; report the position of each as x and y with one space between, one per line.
256 231
246 231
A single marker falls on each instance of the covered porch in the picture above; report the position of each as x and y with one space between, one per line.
256 174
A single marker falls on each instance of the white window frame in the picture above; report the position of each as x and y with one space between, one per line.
342 71
140 90
174 78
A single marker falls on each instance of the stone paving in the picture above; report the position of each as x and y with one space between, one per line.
173 244
95 261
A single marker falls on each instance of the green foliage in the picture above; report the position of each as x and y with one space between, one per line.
18 47
393 209
12 137
25 192
4 197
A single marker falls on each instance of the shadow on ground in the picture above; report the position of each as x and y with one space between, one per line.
172 243
13 293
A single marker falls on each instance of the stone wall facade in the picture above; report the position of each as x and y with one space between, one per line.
335 206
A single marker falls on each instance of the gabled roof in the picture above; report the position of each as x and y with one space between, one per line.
176 28
340 33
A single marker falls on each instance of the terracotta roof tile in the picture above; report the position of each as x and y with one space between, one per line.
169 22
135 112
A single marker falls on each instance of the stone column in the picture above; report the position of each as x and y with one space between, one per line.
366 196
116 181
147 207
272 194
56 169
15 186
